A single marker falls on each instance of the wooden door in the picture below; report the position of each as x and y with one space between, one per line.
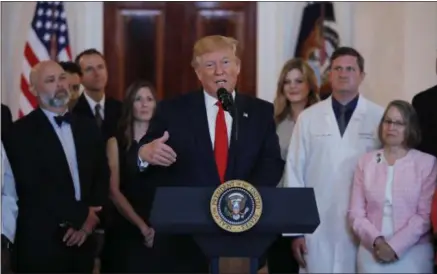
154 40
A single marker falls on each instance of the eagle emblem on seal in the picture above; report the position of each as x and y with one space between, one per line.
236 206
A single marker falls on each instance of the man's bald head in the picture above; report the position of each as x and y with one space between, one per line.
39 69
49 83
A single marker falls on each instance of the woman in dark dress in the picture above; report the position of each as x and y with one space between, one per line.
129 238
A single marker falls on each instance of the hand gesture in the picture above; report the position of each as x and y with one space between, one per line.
299 248
157 152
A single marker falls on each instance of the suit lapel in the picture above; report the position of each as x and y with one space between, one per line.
82 107
241 118
80 147
202 137
52 146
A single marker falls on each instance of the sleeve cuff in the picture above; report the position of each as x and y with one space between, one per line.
372 237
292 234
141 164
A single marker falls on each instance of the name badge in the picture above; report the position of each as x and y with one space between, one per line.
366 135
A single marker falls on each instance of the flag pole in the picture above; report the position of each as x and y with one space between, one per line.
322 35
53 48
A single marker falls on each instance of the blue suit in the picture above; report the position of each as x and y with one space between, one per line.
254 157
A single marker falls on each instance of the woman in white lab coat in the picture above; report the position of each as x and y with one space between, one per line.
296 90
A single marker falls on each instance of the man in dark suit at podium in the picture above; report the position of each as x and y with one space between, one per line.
192 141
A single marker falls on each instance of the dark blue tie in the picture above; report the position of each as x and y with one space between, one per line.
342 120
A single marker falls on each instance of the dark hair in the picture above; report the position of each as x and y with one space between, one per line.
87 52
71 67
413 134
347 51
125 124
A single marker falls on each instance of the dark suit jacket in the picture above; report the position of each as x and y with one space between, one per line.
254 157
43 180
6 120
425 105
112 114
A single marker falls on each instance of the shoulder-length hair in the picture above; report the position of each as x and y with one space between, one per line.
412 132
125 124
281 104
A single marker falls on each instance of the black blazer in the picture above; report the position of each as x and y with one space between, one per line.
112 111
254 157
43 180
6 120
425 105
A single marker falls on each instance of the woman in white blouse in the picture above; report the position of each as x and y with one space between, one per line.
297 89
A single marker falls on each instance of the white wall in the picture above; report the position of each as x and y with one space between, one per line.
400 50
399 43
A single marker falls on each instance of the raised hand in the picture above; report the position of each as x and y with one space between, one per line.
158 152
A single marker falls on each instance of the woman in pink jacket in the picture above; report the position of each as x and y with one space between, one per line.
391 198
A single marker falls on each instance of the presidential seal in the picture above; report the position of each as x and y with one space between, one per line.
236 206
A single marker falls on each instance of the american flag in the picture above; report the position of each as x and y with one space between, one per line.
47 40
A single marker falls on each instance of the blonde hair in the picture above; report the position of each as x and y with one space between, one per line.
281 104
212 43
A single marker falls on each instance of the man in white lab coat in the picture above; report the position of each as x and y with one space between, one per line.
9 211
327 141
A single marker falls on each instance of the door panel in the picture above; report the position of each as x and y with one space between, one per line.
154 40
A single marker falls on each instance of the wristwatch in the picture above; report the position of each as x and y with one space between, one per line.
6 244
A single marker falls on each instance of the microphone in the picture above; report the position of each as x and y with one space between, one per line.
225 99
227 102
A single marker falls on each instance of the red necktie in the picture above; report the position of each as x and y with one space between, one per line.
221 142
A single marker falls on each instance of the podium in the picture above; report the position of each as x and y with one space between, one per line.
285 210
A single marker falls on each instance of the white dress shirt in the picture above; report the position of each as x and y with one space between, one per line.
65 136
9 199
93 104
211 113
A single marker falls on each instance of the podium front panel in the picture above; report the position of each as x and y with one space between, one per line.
186 210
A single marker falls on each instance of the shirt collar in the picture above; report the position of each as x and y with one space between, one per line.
93 103
210 101
349 106
51 115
